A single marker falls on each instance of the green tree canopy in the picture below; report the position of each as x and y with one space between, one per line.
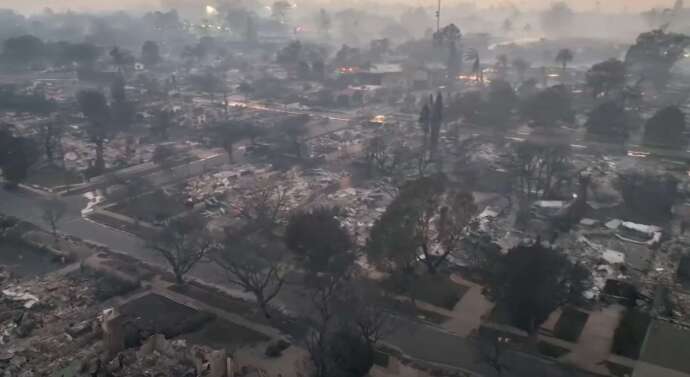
666 128
530 282
425 222
608 121
318 238
606 77
549 107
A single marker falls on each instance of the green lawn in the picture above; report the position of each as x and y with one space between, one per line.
570 324
153 313
630 334
407 309
438 290
221 333
245 309
53 176
551 350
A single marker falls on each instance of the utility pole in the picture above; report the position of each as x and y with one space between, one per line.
438 17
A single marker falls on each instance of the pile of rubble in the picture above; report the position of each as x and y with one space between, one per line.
120 152
207 186
55 327
48 301
361 207
227 191
46 323
604 263
158 356
339 143
610 253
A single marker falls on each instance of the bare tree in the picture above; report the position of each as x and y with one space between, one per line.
95 108
50 135
425 217
375 153
165 157
564 57
367 311
384 157
521 66
163 122
263 204
260 272
183 243
473 56
53 210
350 318
295 129
540 169
325 291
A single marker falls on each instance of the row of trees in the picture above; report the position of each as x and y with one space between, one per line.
545 171
27 50
650 59
13 100
20 153
611 122
540 108
346 315
550 107
106 118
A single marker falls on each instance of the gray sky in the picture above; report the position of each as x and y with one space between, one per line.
38 5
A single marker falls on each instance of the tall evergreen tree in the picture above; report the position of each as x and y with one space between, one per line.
424 122
94 106
454 62
436 121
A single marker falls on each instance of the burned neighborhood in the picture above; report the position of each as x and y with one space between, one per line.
344 189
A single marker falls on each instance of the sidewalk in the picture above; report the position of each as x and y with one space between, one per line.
467 315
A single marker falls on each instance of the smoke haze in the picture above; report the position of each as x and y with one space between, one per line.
30 6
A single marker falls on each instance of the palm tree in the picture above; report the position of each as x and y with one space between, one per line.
564 57
521 66
473 56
